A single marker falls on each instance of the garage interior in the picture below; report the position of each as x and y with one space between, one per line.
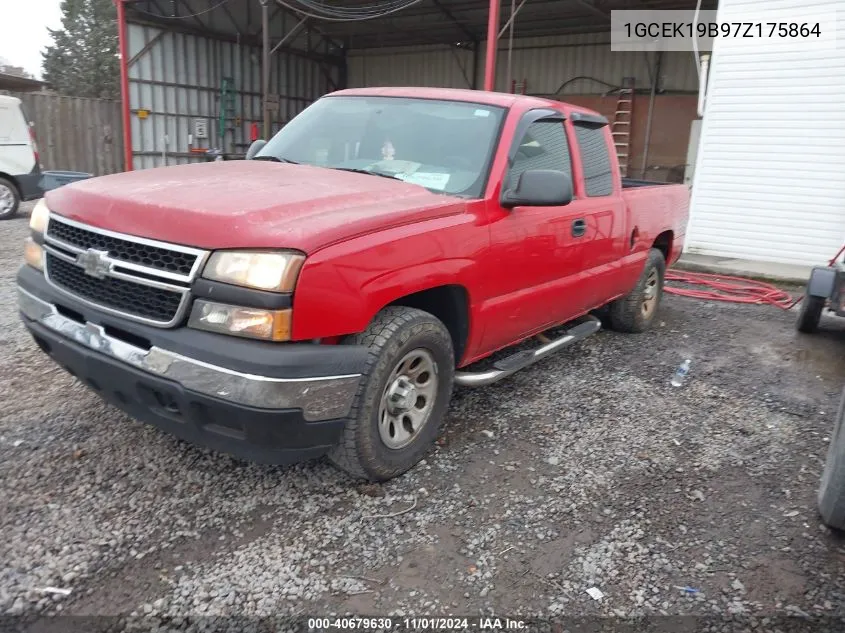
200 75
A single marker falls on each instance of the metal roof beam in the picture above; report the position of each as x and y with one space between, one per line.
311 27
290 35
232 19
589 6
464 29
145 48
251 40
511 18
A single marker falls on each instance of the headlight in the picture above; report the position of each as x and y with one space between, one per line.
33 254
39 217
264 270
270 325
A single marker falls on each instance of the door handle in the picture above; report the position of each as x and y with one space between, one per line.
579 227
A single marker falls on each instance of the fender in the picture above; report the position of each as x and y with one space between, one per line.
342 287
822 282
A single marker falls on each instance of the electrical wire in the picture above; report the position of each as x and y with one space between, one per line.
346 14
569 81
180 17
729 289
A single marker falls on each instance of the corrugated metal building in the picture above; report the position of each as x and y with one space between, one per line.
195 79
542 64
770 175
181 79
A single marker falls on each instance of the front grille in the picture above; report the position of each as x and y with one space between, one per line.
124 296
155 257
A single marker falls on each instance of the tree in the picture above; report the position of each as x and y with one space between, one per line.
82 61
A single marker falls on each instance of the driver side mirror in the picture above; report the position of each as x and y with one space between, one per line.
257 146
539 188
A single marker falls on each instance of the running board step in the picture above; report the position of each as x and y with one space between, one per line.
522 359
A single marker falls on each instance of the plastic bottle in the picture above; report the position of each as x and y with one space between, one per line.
681 373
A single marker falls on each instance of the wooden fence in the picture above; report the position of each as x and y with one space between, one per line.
75 133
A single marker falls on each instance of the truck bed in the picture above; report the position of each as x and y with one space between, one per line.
656 206
631 183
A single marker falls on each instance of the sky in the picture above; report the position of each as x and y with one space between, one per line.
23 31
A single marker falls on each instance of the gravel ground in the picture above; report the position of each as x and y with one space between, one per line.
587 470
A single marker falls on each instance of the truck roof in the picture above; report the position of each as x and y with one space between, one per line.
501 99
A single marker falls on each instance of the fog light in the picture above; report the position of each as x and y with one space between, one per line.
33 254
270 325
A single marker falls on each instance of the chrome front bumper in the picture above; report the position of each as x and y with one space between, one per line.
319 398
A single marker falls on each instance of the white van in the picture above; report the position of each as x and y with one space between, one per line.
20 172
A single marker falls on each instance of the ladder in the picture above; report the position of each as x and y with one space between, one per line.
227 111
622 120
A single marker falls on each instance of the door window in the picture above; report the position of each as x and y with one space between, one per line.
544 146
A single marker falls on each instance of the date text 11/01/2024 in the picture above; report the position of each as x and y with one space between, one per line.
766 30
417 624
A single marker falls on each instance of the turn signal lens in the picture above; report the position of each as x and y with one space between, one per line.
269 325
39 217
33 254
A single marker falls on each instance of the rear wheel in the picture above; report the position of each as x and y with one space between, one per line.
810 314
832 489
636 311
403 396
9 199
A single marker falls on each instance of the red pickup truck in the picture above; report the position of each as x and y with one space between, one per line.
325 295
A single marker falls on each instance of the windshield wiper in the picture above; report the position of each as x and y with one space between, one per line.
356 170
276 159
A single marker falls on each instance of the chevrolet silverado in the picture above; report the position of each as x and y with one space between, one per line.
324 296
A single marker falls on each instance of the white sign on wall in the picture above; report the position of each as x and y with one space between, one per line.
201 128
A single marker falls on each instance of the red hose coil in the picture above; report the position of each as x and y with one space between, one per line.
730 289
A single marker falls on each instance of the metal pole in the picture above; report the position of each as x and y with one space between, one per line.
654 80
265 65
492 44
510 43
511 19
476 53
124 85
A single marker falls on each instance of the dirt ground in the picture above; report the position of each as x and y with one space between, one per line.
586 471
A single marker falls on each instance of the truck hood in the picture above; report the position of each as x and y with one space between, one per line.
248 204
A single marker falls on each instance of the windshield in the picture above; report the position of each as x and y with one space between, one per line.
445 146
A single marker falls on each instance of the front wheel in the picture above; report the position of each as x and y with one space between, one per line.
9 199
832 489
404 393
635 311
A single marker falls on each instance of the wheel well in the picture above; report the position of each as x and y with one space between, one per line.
663 243
12 180
450 304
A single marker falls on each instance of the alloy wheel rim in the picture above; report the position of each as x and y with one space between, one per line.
7 199
408 399
650 291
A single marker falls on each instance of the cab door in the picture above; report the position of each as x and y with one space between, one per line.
537 254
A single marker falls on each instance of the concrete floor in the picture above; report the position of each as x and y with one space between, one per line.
787 273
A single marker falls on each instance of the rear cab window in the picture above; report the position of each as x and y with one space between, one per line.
595 154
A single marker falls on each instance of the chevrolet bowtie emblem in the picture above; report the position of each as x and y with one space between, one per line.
95 263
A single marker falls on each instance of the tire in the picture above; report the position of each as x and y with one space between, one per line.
832 489
397 338
810 314
635 312
10 199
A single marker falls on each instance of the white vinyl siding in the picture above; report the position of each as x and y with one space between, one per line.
770 176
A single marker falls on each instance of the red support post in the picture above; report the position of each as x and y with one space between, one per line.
492 45
124 84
